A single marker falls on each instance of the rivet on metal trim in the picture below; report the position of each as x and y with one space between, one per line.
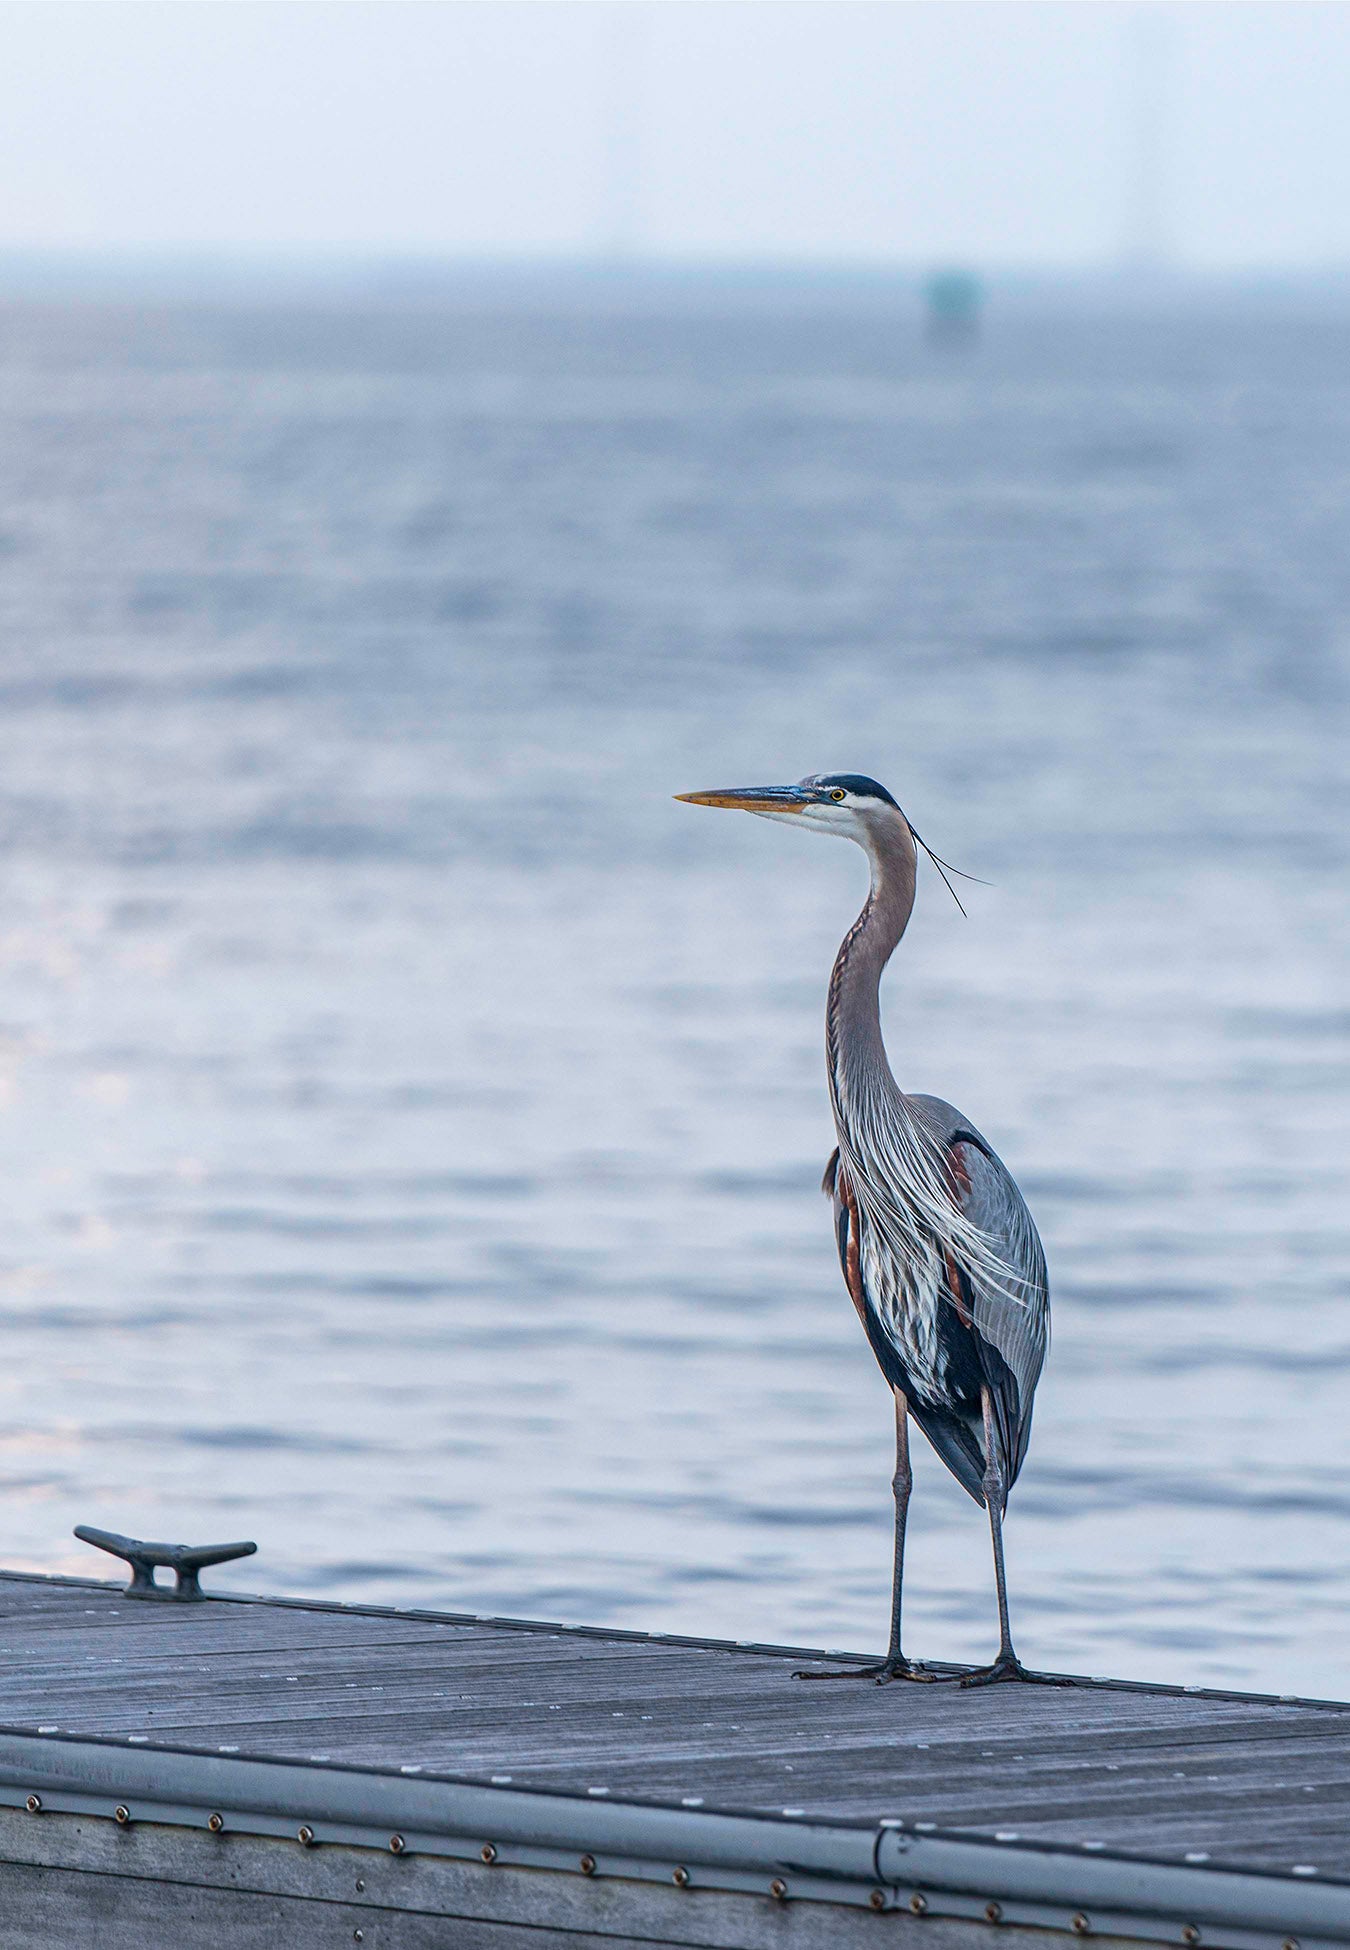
919 1904
1080 1924
588 1865
215 1823
360 1884
122 1814
396 1845
681 1878
488 1851
778 1889
1190 1934
1290 1943
993 1912
34 1804
877 1899
305 1834
358 1936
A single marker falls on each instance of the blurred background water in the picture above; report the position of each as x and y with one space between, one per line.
412 1119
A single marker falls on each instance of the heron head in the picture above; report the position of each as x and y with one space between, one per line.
843 803
847 804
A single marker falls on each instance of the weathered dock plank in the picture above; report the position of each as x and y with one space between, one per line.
695 1779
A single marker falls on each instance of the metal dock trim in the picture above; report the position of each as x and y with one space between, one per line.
881 1867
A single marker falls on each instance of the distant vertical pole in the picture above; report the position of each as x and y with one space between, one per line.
623 29
1147 82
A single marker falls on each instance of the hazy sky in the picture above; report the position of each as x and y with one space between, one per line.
990 130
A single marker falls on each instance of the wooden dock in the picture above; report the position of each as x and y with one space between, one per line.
256 1772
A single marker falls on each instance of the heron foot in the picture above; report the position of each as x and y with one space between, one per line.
1008 1667
880 1674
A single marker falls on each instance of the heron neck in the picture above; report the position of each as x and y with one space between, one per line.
855 1051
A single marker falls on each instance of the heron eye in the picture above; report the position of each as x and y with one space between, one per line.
839 793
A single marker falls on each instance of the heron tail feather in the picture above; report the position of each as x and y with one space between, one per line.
958 1445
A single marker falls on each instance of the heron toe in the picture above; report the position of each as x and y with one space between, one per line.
1008 1668
881 1674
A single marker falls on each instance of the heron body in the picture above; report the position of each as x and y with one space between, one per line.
939 1253
937 1339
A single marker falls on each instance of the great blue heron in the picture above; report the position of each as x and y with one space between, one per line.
939 1252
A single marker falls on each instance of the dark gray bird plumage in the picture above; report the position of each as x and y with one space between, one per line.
1009 1322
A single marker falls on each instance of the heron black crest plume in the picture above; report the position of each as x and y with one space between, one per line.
945 867
940 1256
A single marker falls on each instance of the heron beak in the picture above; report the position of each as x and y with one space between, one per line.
753 798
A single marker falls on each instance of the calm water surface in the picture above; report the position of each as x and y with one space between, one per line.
412 1120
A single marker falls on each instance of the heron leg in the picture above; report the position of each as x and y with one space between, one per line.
1007 1665
895 1665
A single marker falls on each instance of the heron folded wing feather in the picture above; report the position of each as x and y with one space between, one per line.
1011 1324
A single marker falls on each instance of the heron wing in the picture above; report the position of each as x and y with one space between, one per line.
1011 1324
